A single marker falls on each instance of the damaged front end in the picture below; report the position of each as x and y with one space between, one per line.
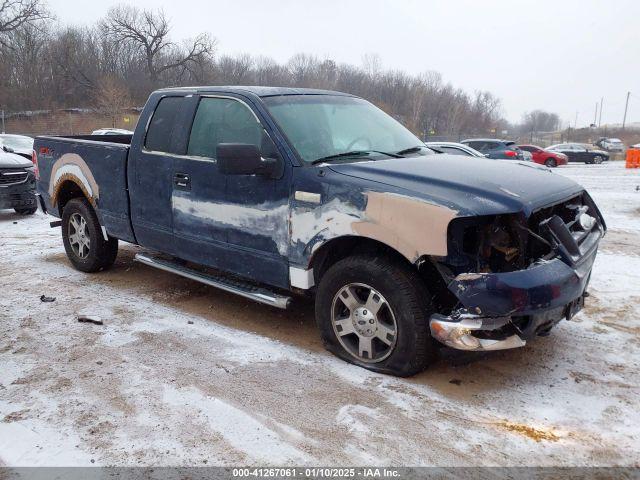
513 277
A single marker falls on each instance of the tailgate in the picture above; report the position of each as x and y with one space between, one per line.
97 168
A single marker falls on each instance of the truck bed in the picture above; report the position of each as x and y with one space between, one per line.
98 165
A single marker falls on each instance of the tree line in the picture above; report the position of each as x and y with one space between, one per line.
115 63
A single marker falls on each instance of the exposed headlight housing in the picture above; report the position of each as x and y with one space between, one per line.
586 222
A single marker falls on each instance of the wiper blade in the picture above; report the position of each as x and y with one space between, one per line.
410 150
355 153
339 155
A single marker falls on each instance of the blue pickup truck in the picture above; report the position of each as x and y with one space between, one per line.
276 192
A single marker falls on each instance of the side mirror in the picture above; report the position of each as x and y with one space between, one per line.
244 159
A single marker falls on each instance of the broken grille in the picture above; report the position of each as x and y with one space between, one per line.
506 243
564 226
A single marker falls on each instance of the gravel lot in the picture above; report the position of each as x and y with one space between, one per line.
183 374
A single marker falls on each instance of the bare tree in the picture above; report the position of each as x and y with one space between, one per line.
15 14
111 99
115 64
149 32
539 121
372 64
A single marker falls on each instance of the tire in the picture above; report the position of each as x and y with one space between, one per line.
597 159
83 240
404 308
551 162
26 211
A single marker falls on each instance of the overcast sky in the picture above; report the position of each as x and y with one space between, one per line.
561 55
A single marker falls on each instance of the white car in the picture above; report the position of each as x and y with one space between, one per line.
454 148
18 144
111 131
612 144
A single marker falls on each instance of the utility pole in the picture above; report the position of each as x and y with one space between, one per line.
575 124
3 131
600 119
595 116
626 107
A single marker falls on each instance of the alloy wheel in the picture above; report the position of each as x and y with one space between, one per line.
364 322
79 236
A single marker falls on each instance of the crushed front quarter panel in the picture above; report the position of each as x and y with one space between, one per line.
410 225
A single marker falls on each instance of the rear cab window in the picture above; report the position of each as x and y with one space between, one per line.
160 130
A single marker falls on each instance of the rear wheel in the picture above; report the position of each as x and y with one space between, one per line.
551 162
83 239
374 312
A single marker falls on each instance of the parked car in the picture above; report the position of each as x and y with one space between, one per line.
526 156
544 156
611 144
17 184
497 149
293 191
578 152
454 149
111 131
18 144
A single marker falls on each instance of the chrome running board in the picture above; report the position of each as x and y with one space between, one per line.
228 285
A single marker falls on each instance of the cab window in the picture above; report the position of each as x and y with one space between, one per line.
225 120
158 138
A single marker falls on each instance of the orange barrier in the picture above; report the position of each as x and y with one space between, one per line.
633 158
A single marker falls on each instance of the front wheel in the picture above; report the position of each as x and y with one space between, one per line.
83 239
374 312
597 159
550 162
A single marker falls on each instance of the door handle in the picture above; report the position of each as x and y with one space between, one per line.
182 180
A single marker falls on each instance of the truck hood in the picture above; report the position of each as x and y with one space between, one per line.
11 160
472 186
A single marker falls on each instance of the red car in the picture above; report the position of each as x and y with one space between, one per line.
545 157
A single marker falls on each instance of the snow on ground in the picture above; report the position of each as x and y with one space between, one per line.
183 374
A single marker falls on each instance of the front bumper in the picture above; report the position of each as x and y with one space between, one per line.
504 310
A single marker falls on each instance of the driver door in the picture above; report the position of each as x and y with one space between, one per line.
581 154
236 223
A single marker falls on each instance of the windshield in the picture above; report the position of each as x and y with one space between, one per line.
18 142
320 126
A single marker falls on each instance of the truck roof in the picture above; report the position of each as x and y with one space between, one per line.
256 90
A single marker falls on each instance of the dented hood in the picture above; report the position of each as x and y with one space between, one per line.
472 186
